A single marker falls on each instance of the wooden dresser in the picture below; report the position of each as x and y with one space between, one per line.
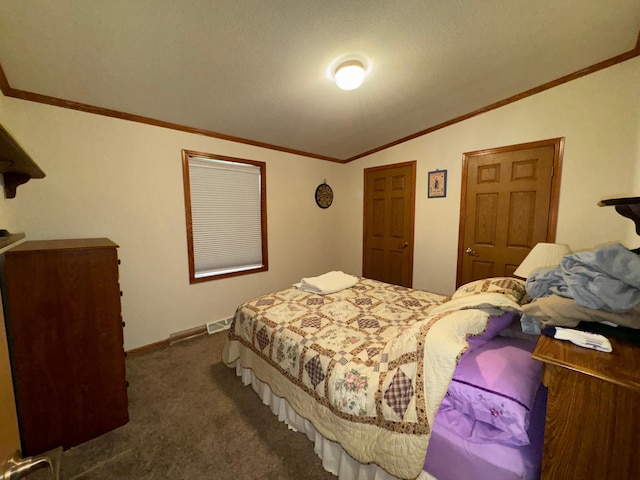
593 411
64 330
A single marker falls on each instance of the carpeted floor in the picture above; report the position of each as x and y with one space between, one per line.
191 418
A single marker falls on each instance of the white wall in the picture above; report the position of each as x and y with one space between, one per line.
633 236
599 116
123 180
6 214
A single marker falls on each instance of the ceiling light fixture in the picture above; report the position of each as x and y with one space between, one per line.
349 75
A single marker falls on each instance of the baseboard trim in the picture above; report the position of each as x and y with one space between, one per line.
187 334
173 338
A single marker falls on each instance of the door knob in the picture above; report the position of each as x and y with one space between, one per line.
403 245
471 251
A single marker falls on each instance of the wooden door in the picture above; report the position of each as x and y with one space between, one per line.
389 206
509 203
9 436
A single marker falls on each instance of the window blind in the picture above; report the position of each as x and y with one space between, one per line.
225 216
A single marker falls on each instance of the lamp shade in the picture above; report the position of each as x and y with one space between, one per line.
542 256
350 75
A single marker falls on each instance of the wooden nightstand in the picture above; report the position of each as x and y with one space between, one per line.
593 411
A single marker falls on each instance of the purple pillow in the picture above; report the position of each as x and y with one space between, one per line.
494 386
467 427
496 324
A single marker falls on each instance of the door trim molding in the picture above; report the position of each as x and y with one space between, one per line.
413 164
552 223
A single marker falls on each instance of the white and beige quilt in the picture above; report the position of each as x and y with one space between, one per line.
368 365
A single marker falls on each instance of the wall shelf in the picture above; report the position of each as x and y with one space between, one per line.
15 164
627 207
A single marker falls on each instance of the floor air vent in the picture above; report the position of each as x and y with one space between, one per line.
219 325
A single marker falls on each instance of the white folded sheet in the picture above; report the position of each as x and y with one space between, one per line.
330 282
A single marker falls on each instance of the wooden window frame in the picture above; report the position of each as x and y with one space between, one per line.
186 154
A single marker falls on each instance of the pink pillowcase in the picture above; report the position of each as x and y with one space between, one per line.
494 388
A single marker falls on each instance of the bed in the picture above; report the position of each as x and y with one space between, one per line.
366 373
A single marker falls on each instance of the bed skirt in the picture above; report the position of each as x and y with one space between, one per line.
334 459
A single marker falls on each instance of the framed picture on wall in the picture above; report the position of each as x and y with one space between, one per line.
437 184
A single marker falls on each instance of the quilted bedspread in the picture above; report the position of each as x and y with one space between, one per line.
368 365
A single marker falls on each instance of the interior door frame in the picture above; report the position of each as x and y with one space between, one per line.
552 223
413 164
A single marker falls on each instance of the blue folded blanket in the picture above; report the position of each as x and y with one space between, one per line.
607 278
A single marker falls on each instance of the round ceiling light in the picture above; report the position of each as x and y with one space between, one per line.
349 75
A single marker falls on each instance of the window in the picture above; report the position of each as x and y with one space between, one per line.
226 213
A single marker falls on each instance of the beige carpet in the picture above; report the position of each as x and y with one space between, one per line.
191 418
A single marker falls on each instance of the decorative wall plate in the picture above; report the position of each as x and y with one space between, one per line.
324 195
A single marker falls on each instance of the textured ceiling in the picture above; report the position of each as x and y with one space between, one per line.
258 69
